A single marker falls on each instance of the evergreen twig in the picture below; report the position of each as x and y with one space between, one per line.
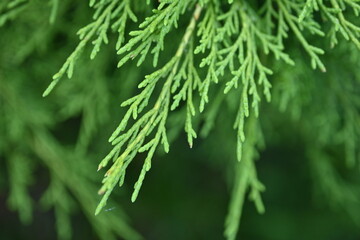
144 126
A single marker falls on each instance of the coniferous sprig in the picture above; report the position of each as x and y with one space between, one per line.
243 52
245 178
105 13
236 43
151 124
153 30
288 9
207 32
334 13
192 81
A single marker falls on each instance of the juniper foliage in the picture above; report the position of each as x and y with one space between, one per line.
253 57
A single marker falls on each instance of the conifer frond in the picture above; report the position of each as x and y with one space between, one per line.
108 14
152 123
207 33
228 60
287 8
245 178
350 31
189 74
243 54
334 12
153 30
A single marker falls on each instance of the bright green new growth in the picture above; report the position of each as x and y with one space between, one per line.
105 11
230 45
143 127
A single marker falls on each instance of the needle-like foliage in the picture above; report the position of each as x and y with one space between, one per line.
194 57
232 39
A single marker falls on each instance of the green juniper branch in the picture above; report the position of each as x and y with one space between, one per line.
245 177
230 58
143 127
102 18
241 56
